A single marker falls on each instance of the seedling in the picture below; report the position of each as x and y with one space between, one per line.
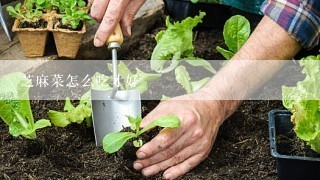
236 32
74 13
114 141
24 14
15 108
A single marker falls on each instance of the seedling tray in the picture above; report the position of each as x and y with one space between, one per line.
217 14
289 167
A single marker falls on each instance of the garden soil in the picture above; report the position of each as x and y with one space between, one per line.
241 150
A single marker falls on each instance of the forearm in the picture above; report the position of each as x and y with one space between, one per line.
238 79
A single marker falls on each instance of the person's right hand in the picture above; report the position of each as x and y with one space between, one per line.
177 151
109 13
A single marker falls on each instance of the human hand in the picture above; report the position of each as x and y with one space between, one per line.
179 150
109 13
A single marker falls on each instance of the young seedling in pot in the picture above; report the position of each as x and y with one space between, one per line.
26 15
114 141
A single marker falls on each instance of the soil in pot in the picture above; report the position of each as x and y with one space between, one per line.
33 37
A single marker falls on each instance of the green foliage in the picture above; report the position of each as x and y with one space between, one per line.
15 108
74 13
236 32
24 14
303 101
174 43
114 141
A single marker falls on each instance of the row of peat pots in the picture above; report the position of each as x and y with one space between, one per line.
35 35
295 160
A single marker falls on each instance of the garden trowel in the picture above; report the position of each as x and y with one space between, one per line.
111 108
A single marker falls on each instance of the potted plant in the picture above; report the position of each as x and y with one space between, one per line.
295 135
69 26
31 26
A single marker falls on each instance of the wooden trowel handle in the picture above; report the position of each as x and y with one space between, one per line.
116 36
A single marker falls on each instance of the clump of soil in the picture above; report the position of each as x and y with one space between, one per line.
68 26
36 25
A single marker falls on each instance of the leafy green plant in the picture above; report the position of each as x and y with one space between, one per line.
15 108
24 14
236 32
114 141
303 101
74 13
175 43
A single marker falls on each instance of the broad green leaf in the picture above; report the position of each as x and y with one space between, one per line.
15 129
202 63
225 53
114 141
165 121
236 32
58 119
196 85
42 124
101 82
135 122
68 105
140 80
183 78
303 101
175 42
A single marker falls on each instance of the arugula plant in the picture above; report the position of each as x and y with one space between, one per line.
27 14
175 43
114 141
236 32
15 108
74 13
303 101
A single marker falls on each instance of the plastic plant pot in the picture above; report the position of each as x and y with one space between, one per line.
217 14
288 166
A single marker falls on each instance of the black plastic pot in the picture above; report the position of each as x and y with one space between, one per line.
289 167
217 14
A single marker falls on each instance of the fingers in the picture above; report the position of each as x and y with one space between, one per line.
162 141
174 160
110 20
184 167
98 9
129 14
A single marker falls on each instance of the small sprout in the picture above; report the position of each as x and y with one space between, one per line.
114 141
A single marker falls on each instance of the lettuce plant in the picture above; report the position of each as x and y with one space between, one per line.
15 108
24 14
114 141
303 101
236 32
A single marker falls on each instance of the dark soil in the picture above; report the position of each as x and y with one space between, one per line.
68 26
36 25
241 150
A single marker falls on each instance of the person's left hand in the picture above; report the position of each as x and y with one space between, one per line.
179 150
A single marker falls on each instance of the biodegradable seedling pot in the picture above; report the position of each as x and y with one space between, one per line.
288 166
67 41
33 41
216 14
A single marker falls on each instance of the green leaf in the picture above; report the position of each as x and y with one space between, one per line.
15 129
225 53
101 82
175 42
114 141
202 63
17 7
140 80
196 85
183 78
303 101
68 105
42 124
137 143
236 32
135 122
81 3
58 119
165 121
